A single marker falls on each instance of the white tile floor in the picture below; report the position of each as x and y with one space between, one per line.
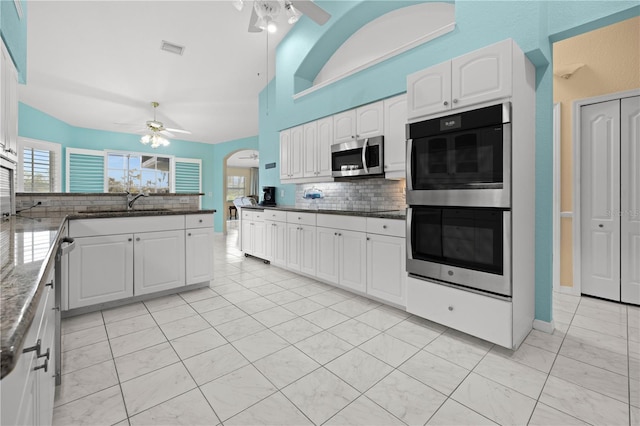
265 346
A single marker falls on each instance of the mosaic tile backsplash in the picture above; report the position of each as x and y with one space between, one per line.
358 195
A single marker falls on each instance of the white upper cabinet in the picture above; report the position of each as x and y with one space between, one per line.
364 122
305 152
323 147
8 105
310 139
292 153
476 77
395 120
285 147
344 126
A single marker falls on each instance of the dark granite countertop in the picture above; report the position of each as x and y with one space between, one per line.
27 258
383 214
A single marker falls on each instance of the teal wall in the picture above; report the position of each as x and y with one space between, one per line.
36 124
532 24
14 34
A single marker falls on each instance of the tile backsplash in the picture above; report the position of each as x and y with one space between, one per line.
62 204
359 195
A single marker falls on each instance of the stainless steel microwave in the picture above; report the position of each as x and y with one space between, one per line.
358 158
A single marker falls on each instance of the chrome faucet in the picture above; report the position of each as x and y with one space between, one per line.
131 199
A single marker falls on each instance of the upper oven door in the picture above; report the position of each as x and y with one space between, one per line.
360 157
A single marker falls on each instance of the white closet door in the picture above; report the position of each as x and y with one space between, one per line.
600 199
630 200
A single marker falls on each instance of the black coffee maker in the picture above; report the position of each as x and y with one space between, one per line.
268 196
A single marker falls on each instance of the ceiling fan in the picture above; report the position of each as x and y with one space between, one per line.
265 12
156 130
253 156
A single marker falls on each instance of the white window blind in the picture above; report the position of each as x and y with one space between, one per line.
39 166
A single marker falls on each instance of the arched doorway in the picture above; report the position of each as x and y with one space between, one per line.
240 178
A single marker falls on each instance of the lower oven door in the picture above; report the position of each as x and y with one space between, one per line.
466 246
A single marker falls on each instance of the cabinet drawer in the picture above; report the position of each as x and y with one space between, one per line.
391 227
125 225
198 220
350 223
277 215
252 214
301 218
481 316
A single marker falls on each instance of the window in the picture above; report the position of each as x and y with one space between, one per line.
138 173
39 169
235 187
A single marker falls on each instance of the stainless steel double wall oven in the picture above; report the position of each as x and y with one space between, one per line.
459 197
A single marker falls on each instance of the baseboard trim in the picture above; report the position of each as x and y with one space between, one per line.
543 326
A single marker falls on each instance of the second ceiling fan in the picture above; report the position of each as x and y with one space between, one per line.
265 12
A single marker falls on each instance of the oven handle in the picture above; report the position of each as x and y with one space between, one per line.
408 236
364 155
409 181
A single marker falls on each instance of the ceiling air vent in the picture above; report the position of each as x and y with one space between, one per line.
172 48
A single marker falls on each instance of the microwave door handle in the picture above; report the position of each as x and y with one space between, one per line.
408 233
364 155
408 164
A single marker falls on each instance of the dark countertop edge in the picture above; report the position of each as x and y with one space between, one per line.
135 213
359 213
9 356
101 194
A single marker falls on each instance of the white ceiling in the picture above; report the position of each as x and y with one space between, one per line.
97 63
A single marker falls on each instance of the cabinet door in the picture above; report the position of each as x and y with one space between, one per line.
482 75
159 261
269 242
386 274
246 239
293 246
296 158
353 258
259 239
199 255
370 120
395 120
344 126
307 249
100 270
429 91
327 254
46 380
279 237
323 147
285 147
310 131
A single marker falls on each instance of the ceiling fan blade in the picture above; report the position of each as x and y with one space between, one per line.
178 131
312 10
253 21
167 133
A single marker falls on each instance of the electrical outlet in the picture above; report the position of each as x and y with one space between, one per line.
282 193
184 200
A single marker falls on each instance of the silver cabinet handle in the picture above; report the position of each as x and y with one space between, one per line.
446 103
384 226
189 234
601 226
455 101
47 354
44 366
129 239
368 239
450 308
49 284
35 347
138 239
339 235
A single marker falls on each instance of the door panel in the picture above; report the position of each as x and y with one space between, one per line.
630 200
159 261
353 262
600 199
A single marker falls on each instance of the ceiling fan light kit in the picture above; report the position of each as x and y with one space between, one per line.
156 130
265 13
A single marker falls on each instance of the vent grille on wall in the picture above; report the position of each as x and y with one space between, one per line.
172 48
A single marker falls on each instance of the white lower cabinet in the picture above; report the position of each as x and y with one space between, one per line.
253 233
301 248
158 261
386 273
276 242
342 257
199 255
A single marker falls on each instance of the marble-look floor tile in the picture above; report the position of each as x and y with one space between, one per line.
164 302
197 295
215 363
242 327
593 378
326 318
586 405
363 411
286 366
85 356
190 408
84 382
328 298
88 336
320 395
267 289
617 315
308 290
130 325
524 379
406 398
275 410
295 330
124 312
438 328
302 306
562 316
145 361
453 413
283 297
413 333
207 305
354 332
153 388
240 296
198 342
460 350
172 314
81 322
323 347
184 326
596 356
389 349
381 319
531 356
494 401
253 306
105 407
222 315
548 341
354 307
543 415
434 371
602 305
135 341
260 345
605 327
359 369
274 316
